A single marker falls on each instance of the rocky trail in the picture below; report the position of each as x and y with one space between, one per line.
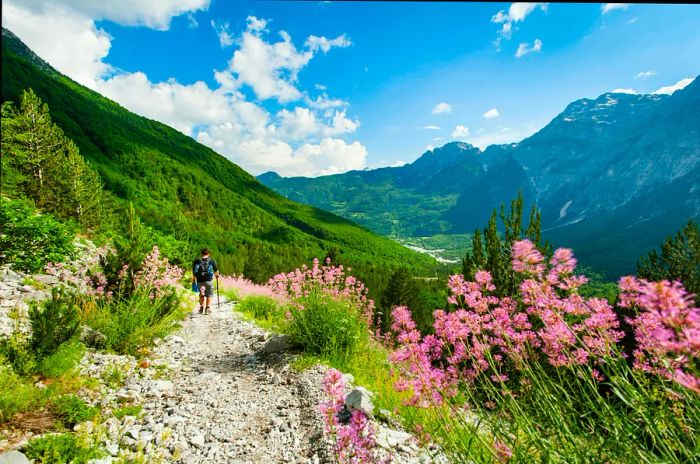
225 400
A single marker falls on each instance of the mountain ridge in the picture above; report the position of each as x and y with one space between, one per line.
595 157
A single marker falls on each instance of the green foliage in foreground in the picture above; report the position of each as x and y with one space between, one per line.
679 260
29 240
61 448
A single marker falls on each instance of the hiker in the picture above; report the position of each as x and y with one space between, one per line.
204 270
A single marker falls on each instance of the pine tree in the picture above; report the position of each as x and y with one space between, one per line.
491 251
40 162
400 291
679 260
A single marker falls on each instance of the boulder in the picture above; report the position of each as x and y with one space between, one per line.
13 457
277 344
389 438
92 337
360 399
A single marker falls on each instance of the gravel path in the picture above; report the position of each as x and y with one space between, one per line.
226 402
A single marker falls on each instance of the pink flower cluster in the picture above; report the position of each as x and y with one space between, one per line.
245 287
328 279
83 274
667 330
157 274
492 336
355 439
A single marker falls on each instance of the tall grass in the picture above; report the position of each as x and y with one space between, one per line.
132 321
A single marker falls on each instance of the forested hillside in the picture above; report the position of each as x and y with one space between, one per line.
185 190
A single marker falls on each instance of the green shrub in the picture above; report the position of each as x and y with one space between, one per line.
64 359
29 240
71 410
53 323
61 448
259 306
327 327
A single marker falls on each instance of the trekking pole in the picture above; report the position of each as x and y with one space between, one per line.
218 300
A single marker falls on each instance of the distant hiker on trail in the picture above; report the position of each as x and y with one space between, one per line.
204 270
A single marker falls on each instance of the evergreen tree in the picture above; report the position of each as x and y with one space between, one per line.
256 266
39 161
401 290
491 251
679 260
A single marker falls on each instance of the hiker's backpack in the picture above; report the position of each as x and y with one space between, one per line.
203 270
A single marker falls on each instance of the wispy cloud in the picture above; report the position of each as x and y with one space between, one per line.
442 107
645 74
608 7
431 127
524 48
225 37
669 89
492 113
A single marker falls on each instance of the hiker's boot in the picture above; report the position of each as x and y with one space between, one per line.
201 310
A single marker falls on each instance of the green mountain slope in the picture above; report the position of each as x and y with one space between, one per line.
184 189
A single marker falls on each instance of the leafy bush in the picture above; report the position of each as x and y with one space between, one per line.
66 357
61 448
71 410
326 326
53 322
29 240
259 306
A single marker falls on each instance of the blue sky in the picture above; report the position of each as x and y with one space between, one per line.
378 84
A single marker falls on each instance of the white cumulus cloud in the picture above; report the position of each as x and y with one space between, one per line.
492 113
608 7
442 107
304 139
524 48
155 14
517 12
669 89
460 132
